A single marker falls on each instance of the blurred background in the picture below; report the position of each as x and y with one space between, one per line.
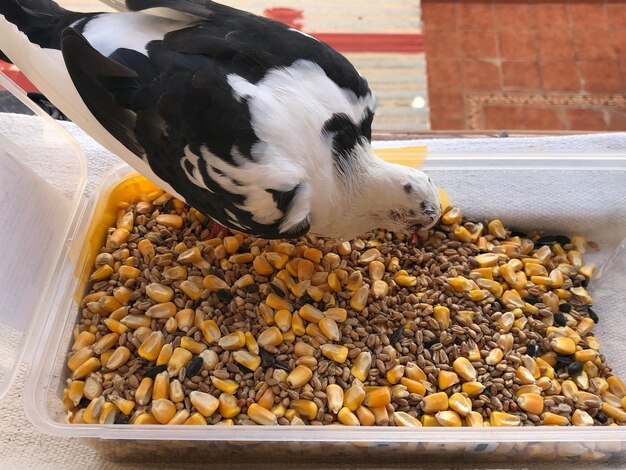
470 65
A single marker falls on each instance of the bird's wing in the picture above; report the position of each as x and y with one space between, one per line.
175 109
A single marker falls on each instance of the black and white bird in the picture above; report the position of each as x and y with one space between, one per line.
261 127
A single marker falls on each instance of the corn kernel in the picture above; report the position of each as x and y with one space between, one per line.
414 372
335 352
472 389
361 366
531 402
563 345
448 418
395 374
435 402
353 397
205 403
261 416
551 419
498 418
447 379
474 419
162 311
358 301
192 345
247 359
225 385
232 341
180 358
442 315
299 376
377 396
460 403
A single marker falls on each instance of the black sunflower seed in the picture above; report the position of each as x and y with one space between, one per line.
277 290
167 207
517 233
546 240
306 299
593 315
431 343
224 294
532 350
84 402
121 419
194 367
532 300
585 283
251 288
601 417
565 307
563 360
562 240
244 370
282 365
268 359
154 371
395 337
559 319
575 368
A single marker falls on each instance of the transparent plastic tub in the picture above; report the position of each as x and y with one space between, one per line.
55 232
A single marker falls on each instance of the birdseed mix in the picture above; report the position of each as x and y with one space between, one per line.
475 326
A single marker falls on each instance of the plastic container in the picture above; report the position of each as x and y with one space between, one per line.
54 232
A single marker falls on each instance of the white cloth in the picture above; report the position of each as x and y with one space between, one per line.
24 447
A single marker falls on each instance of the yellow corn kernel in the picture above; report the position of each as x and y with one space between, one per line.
163 410
366 417
584 326
79 358
261 416
462 234
334 397
306 268
551 419
376 270
361 366
128 272
472 389
151 347
333 282
225 385
474 419
358 301
214 283
108 304
232 341
176 392
348 418
315 292
512 299
159 293
86 368
429 421
118 358
459 283
379 289
242 258
477 295
162 311
581 294
305 408
270 337
497 229
563 345
278 303
505 322
435 402
313 330
123 405
460 403
297 325
524 375
414 372
616 386
612 399
329 329
447 379
406 281
335 352
531 402
267 399
353 397
143 394
192 345
483 274
180 417
105 343
400 418
394 374
413 386
228 405
136 321
196 419
581 418
494 357
299 376
211 332
487 260
204 403
377 396
337 314
498 418
442 315
75 391
614 412
103 272
448 418
94 410
283 320
180 358
247 359
262 266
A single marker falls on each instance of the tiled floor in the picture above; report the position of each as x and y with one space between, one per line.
557 65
